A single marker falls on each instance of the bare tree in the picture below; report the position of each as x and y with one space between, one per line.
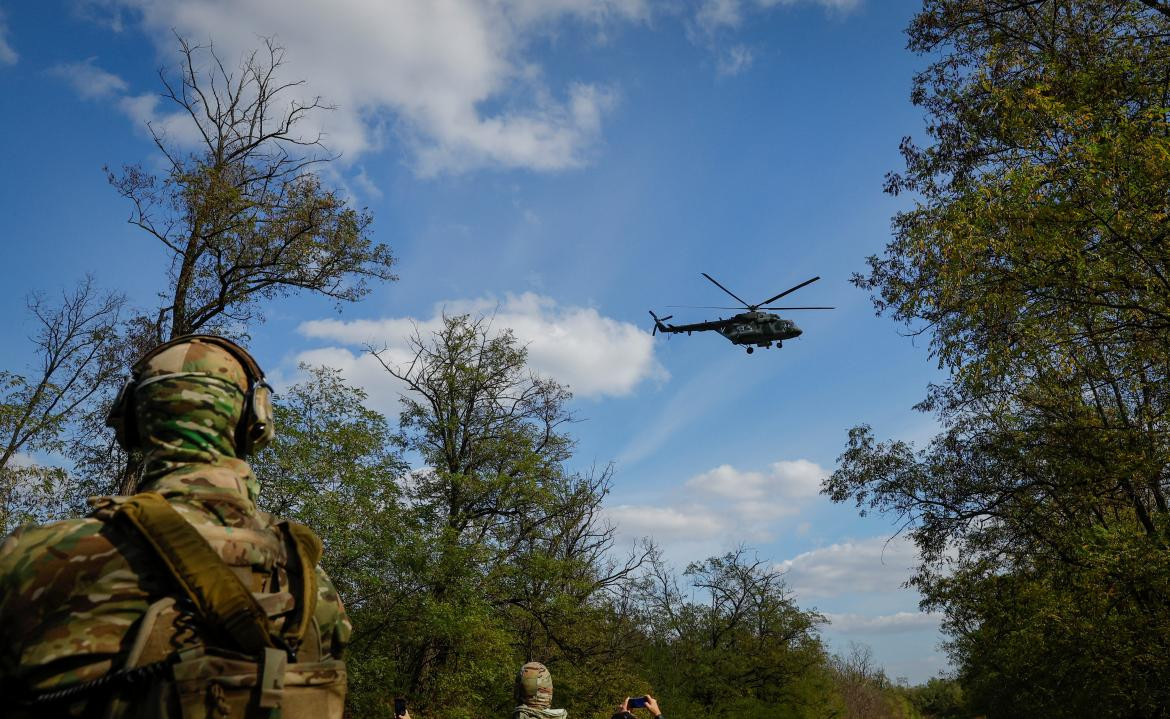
861 683
243 216
77 343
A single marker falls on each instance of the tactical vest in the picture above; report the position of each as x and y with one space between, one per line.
222 646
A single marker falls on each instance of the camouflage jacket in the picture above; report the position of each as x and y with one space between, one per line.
73 592
524 711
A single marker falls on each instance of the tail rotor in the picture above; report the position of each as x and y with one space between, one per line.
658 323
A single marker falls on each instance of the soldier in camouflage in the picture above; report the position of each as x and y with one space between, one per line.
96 620
534 691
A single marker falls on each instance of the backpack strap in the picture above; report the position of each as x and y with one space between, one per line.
220 598
306 547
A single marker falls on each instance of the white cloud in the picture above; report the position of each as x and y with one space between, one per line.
795 479
8 56
878 564
595 356
88 80
367 185
667 524
885 624
22 461
455 75
725 504
714 14
453 81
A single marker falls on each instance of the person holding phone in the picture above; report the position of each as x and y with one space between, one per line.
643 702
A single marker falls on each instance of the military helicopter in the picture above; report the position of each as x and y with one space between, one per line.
753 328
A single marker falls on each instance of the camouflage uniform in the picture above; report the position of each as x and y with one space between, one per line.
73 593
534 691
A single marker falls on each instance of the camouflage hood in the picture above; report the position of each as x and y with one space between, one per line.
187 425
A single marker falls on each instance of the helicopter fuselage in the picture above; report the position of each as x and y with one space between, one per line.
759 328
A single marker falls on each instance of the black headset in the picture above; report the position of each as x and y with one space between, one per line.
255 428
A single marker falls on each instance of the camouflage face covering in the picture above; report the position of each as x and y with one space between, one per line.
188 419
187 405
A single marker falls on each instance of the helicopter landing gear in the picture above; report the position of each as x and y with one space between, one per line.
750 350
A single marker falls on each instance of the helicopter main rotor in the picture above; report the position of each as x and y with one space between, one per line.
761 305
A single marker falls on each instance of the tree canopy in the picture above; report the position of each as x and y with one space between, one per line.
1035 258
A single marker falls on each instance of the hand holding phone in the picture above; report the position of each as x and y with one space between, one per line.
399 706
637 703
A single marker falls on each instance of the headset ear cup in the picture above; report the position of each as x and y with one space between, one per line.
121 417
260 428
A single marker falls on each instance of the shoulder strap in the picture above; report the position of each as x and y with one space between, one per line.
306 547
220 597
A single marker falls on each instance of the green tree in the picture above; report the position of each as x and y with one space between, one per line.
738 647
1035 258
504 556
940 698
333 466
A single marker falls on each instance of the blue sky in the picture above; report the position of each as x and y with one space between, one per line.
568 165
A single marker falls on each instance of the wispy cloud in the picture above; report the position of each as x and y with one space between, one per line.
88 80
8 55
714 23
717 384
874 565
897 623
735 60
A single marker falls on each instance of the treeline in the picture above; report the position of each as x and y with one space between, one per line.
484 551
1036 259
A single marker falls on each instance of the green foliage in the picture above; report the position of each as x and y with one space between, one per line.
1035 258
740 648
499 554
939 699
333 466
491 553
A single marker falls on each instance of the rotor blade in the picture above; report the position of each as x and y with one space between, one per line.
725 289
798 308
704 307
787 291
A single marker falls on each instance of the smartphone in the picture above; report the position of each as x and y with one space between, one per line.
637 703
399 706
